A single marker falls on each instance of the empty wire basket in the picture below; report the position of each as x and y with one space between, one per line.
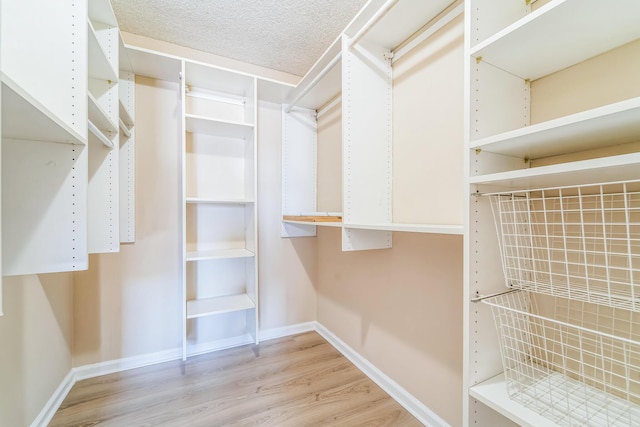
573 362
580 242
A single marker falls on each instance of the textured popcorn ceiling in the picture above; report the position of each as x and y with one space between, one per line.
285 35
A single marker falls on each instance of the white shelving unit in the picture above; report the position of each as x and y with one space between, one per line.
104 140
512 50
220 280
357 73
44 137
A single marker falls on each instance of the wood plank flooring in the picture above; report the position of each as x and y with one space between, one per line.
299 380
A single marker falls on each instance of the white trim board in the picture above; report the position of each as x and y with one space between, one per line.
425 415
399 394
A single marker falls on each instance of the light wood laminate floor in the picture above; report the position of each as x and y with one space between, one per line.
299 380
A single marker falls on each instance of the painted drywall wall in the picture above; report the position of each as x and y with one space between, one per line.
36 336
401 308
128 303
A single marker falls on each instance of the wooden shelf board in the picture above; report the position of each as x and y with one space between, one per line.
201 124
218 305
218 254
606 169
24 118
560 34
99 66
218 201
493 393
605 126
99 117
321 224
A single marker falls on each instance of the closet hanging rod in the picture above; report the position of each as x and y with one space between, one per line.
372 21
328 106
479 298
314 82
428 32
124 129
101 136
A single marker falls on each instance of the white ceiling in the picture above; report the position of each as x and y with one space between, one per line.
284 35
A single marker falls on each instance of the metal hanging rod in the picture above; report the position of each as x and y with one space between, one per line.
314 82
428 32
328 106
372 21
483 297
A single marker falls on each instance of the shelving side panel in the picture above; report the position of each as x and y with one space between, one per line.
500 102
490 16
366 137
216 167
299 168
127 162
44 207
1 270
62 89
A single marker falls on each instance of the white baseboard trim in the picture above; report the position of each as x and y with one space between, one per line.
403 397
425 415
124 364
285 331
46 414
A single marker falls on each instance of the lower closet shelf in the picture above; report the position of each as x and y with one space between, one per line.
218 305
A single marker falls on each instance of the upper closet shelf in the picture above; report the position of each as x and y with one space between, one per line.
560 34
606 126
99 65
200 124
153 64
101 11
23 117
411 228
99 117
605 169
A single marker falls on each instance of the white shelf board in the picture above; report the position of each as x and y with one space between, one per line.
218 254
493 393
101 11
218 201
218 79
218 305
560 34
201 124
99 117
273 91
320 90
605 126
124 115
605 169
24 118
149 63
411 228
403 20
319 223
99 66
104 139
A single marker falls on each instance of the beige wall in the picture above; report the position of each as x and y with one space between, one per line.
36 334
128 303
401 308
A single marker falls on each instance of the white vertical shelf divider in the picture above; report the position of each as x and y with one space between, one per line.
127 151
366 138
44 133
299 168
104 171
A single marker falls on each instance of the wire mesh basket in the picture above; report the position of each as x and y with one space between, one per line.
579 242
574 362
